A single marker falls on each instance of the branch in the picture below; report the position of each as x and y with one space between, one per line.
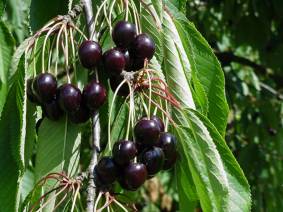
95 145
228 57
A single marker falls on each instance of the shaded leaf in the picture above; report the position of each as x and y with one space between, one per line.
220 182
42 11
58 148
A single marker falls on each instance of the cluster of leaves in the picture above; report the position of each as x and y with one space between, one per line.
247 38
207 172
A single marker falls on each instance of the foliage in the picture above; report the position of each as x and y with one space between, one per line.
207 175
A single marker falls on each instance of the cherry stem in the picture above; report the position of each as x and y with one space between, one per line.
165 113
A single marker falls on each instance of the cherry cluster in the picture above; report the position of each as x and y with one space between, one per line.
153 151
54 100
130 53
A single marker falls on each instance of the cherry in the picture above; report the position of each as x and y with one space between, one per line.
115 82
137 63
128 61
123 34
90 53
169 162
143 47
147 132
167 142
30 94
80 116
107 170
135 174
45 86
69 98
124 151
114 61
153 159
94 95
159 122
52 110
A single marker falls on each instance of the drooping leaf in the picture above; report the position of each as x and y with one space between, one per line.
58 148
219 180
176 64
42 11
206 70
6 51
12 141
18 17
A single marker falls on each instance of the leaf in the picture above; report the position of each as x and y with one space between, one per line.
206 70
18 17
176 64
42 11
152 25
220 182
6 51
10 144
58 148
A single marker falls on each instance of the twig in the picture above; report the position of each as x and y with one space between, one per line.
96 125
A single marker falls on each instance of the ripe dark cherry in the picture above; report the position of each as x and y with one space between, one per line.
107 170
147 132
124 151
69 98
167 142
153 159
115 82
143 47
80 116
30 94
45 86
94 95
90 54
137 63
52 110
114 61
123 34
169 162
135 174
159 122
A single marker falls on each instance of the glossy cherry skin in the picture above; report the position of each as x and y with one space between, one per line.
45 86
124 151
107 170
94 95
114 61
80 116
167 142
153 159
115 82
137 63
90 54
124 34
30 94
135 174
169 162
147 132
143 47
52 110
69 97
159 122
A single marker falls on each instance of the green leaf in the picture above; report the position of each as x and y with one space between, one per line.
58 148
151 20
18 17
2 5
207 74
176 64
13 131
6 51
42 11
219 180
